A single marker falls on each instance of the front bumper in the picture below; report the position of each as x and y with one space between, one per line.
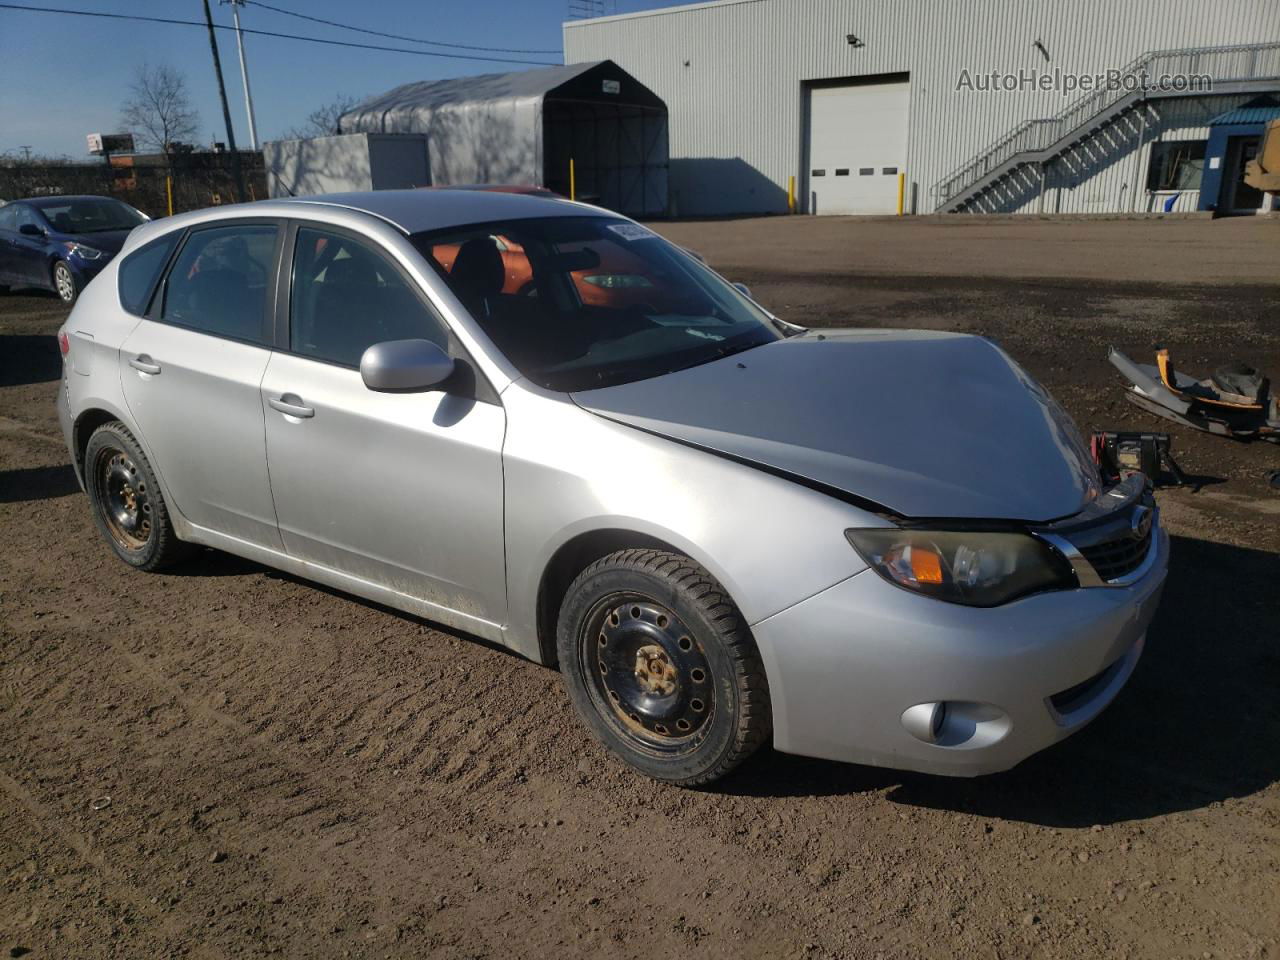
86 270
846 664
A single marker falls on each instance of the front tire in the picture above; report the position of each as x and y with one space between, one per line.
128 507
65 283
662 668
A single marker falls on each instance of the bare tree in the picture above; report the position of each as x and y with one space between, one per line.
323 121
159 110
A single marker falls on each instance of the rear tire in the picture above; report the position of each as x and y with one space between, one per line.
660 665
128 507
65 284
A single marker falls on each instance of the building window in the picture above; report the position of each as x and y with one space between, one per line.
1176 165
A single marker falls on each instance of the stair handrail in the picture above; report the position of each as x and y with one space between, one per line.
1040 134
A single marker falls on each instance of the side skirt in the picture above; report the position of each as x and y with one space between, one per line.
484 629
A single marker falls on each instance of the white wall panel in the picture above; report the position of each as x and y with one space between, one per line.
732 75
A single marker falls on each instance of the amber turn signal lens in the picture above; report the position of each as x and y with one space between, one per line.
926 565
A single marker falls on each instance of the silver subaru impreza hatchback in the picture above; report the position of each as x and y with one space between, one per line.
544 425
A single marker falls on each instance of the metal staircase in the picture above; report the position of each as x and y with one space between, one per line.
972 187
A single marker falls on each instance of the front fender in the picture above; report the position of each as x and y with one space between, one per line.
770 542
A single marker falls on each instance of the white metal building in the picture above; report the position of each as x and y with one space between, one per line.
847 95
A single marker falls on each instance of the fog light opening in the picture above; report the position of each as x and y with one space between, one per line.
957 724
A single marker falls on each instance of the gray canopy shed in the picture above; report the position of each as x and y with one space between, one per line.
523 128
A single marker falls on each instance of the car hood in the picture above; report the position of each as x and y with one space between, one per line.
924 423
108 241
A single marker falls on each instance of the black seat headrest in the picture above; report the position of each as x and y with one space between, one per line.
351 270
478 270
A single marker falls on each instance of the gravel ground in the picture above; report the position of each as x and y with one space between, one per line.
294 772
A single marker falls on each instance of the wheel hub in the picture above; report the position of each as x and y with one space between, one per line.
654 672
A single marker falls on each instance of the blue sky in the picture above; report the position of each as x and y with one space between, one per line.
62 77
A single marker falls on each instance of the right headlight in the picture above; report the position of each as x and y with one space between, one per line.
978 568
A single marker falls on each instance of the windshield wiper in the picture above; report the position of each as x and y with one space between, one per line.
719 353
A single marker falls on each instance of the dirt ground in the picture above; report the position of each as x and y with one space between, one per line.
294 772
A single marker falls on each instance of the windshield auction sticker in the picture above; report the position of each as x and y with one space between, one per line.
631 231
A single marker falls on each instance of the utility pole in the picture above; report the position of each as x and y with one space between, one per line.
236 172
244 74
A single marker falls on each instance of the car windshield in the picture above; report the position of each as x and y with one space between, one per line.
582 302
89 215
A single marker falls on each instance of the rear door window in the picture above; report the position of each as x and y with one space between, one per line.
140 270
25 215
219 282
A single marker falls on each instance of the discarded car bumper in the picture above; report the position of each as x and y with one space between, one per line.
867 672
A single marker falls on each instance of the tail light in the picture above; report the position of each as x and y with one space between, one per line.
64 343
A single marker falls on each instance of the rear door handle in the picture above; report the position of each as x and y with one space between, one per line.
144 364
291 404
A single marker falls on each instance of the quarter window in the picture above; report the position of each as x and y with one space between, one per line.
219 282
347 297
140 270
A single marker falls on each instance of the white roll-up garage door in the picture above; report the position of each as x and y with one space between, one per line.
857 140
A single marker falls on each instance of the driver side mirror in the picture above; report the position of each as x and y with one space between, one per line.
404 366
30 230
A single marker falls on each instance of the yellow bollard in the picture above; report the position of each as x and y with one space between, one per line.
168 189
573 186
902 190
791 194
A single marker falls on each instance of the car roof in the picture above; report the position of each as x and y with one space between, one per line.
414 211
58 199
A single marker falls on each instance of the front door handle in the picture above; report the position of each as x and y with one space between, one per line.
291 404
144 364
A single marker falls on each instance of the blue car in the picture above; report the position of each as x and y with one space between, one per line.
60 243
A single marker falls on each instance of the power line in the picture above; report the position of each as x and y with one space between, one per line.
272 33
390 36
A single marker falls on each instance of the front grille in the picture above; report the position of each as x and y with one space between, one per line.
1113 559
1112 537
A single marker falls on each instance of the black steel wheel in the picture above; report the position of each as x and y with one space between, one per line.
649 675
661 666
128 507
123 495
